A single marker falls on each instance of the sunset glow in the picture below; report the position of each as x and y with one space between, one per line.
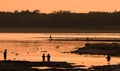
55 5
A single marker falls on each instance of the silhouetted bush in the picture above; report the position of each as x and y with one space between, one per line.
60 19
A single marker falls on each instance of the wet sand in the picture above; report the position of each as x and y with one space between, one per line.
100 49
30 66
52 66
106 68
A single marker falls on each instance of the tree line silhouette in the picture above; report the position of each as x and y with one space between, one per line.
60 19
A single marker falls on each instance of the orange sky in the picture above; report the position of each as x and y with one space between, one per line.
55 5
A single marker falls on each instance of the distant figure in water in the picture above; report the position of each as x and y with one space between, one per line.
57 47
108 58
87 39
5 54
43 57
50 38
48 57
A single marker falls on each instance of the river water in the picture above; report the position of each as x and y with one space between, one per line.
31 46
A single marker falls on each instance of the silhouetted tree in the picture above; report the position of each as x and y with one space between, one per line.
36 11
16 11
60 19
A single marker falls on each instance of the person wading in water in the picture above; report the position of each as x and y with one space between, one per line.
48 57
5 54
108 58
43 57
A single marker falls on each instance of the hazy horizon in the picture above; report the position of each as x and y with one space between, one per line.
47 6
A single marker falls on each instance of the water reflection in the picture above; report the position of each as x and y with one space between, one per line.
26 47
44 67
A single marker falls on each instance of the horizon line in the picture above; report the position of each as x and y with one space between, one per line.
59 11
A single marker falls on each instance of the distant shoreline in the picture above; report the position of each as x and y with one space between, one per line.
56 30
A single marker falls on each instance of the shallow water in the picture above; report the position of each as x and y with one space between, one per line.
31 46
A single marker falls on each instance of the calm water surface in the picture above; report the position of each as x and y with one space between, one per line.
31 46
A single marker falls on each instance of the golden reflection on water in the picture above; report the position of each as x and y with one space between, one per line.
31 46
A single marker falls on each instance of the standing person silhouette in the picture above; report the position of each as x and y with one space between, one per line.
51 38
5 54
48 57
108 58
43 57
